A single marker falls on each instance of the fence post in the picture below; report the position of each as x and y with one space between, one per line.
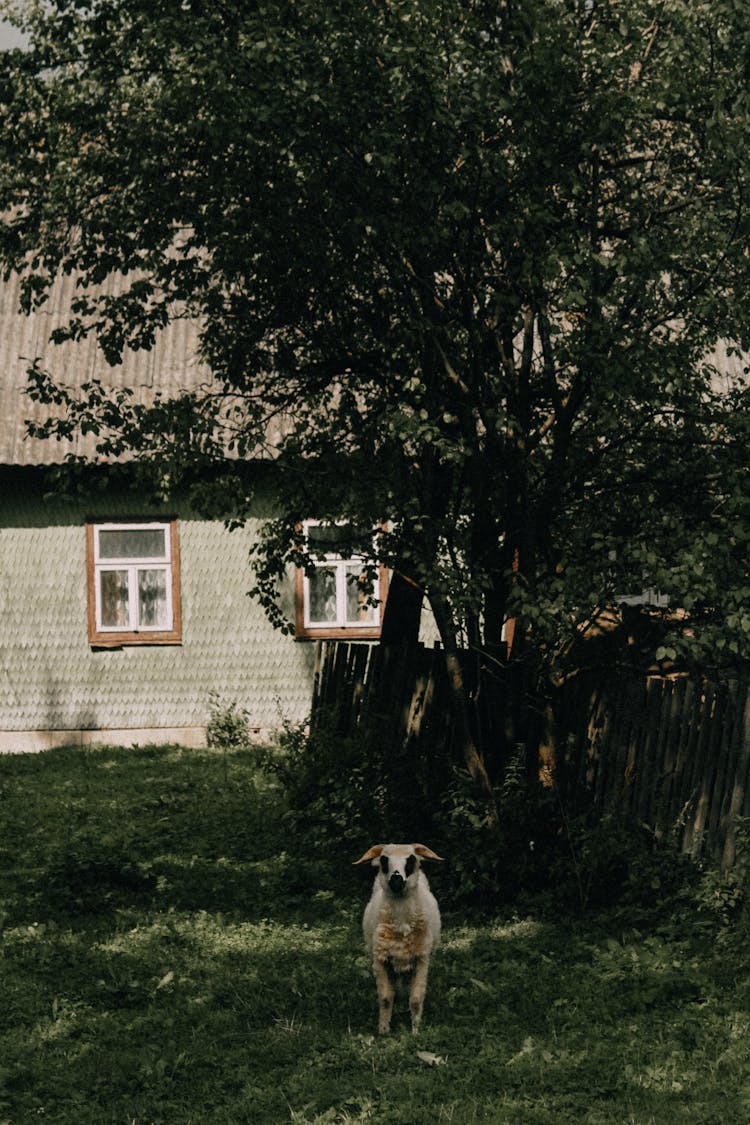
738 804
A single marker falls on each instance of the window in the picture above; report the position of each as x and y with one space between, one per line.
336 599
133 582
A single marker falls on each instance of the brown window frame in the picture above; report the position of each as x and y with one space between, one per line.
109 638
303 632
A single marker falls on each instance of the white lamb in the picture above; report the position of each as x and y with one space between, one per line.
401 925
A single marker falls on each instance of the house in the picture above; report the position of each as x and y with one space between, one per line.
119 619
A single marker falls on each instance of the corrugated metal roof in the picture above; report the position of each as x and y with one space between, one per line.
171 366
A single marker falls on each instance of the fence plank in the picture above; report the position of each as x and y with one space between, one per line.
738 797
725 744
666 811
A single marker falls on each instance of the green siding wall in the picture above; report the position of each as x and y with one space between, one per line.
50 679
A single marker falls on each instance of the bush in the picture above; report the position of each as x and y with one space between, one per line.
352 792
528 852
346 791
494 852
604 864
723 897
228 725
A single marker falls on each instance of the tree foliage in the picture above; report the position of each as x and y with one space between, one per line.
466 262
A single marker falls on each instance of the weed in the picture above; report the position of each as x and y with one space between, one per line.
228 726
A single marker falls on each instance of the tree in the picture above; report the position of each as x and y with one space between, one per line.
474 255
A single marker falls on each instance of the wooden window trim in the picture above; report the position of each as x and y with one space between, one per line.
110 639
304 632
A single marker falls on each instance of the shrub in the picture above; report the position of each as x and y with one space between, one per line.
228 725
338 788
529 851
723 897
346 792
494 852
603 863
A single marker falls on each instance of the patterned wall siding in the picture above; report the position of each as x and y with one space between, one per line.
51 679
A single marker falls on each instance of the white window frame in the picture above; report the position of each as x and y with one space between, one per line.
133 565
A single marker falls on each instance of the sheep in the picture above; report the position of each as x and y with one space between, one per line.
401 926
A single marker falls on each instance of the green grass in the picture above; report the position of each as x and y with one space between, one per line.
170 953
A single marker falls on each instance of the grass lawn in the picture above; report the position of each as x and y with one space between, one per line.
170 953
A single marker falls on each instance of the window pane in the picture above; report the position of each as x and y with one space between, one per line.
358 612
133 543
344 540
153 607
114 600
322 587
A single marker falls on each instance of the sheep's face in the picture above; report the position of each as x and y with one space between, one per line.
399 868
397 864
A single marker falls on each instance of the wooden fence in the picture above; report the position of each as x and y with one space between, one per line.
415 706
670 753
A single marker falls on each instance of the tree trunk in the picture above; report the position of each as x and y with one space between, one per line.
403 610
459 700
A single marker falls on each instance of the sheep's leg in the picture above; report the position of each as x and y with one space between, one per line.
417 992
385 997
